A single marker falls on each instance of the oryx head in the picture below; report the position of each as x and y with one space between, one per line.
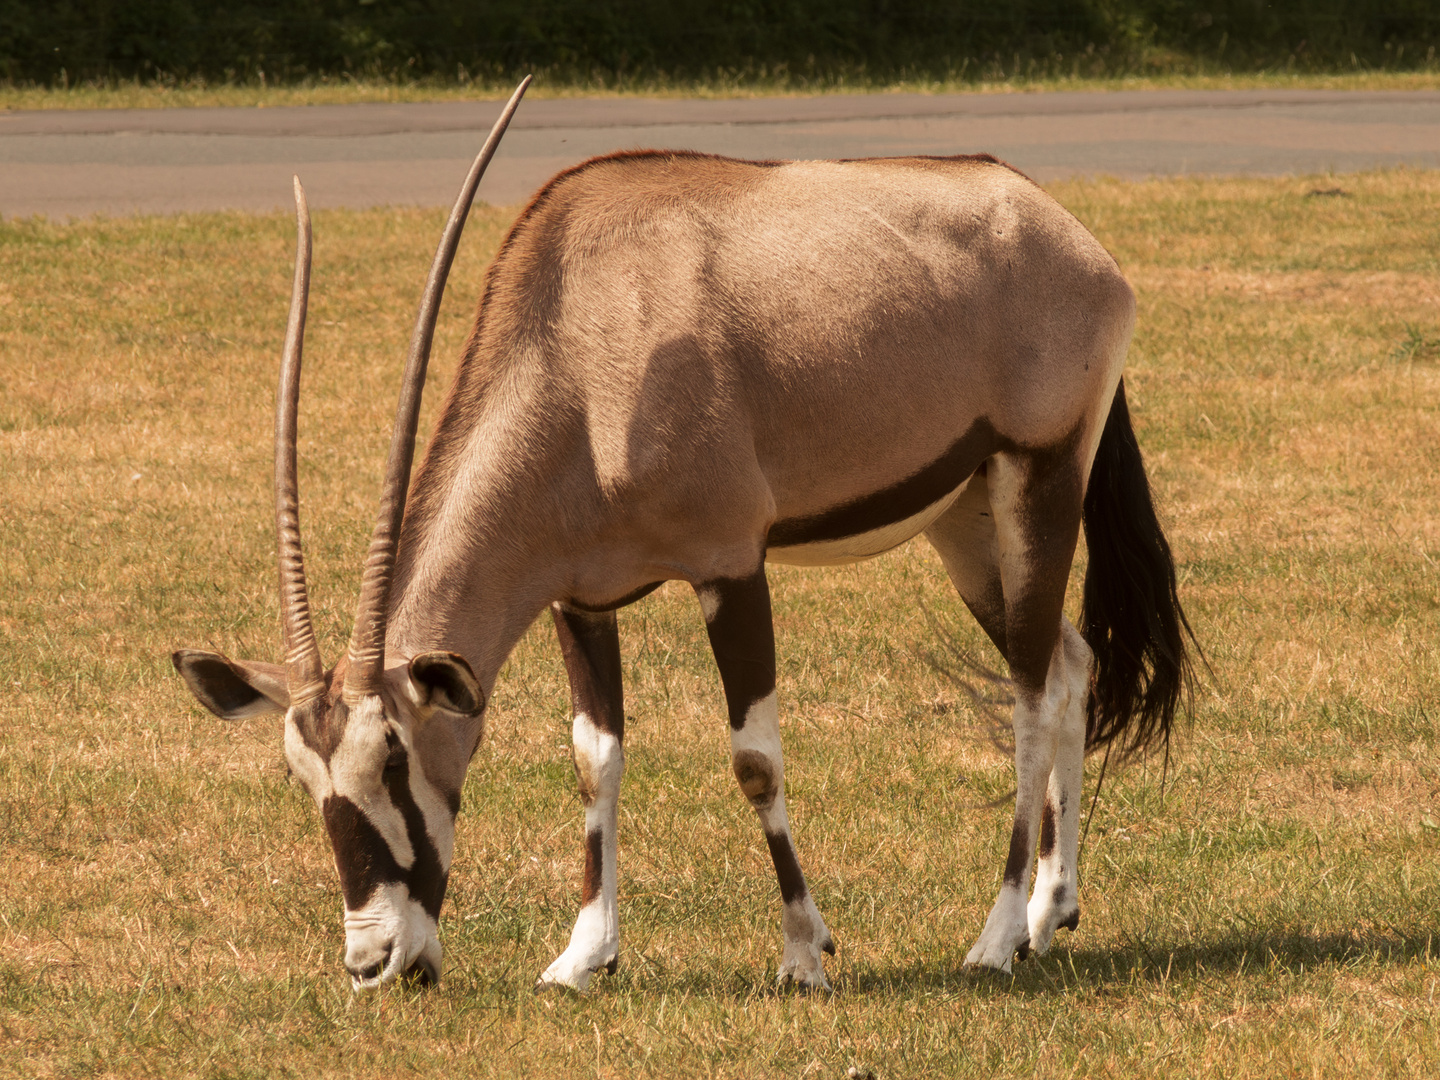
380 741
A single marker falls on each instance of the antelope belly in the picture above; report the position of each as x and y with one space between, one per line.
865 545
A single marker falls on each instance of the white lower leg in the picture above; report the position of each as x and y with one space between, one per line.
595 940
1037 723
1055 900
760 769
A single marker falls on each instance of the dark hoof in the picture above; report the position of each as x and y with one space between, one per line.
1071 923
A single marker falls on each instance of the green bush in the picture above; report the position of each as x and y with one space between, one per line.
46 41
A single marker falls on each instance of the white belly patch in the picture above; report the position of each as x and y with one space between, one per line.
866 545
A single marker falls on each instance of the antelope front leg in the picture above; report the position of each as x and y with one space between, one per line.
1055 901
590 643
742 636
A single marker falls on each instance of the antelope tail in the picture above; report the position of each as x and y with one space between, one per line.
1131 615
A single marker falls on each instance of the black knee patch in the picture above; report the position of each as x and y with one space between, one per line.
756 776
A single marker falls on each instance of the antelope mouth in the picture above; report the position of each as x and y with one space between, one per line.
422 973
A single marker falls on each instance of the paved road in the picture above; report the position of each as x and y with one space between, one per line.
65 164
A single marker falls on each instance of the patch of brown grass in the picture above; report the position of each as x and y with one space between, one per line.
169 904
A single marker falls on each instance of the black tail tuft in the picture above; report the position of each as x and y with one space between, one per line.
1131 615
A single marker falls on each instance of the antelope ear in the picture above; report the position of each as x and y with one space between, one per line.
232 689
443 680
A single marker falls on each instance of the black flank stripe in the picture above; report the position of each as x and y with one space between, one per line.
611 605
911 495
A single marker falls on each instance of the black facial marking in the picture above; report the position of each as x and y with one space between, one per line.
322 720
787 867
1017 864
364 859
361 854
592 883
742 638
898 502
1047 830
426 879
321 725
1072 922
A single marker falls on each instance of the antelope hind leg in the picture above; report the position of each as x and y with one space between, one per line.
1036 504
742 637
590 643
1055 902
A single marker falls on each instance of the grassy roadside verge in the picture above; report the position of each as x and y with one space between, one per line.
169 907
158 95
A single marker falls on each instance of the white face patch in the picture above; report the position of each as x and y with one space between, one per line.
439 821
354 772
388 936
308 767
355 775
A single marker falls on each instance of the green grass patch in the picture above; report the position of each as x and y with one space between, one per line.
170 906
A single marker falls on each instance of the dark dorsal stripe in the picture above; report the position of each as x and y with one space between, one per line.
896 503
742 638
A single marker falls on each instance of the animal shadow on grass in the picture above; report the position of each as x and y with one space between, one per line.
1067 970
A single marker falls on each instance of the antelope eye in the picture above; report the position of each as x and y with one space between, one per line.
395 759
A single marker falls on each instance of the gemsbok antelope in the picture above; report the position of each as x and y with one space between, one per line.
682 367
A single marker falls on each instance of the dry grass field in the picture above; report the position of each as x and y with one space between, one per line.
168 905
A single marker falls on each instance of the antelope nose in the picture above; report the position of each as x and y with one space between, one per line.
367 962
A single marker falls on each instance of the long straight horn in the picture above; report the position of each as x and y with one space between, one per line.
367 641
304 670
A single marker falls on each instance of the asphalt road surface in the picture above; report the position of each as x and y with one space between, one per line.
70 164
